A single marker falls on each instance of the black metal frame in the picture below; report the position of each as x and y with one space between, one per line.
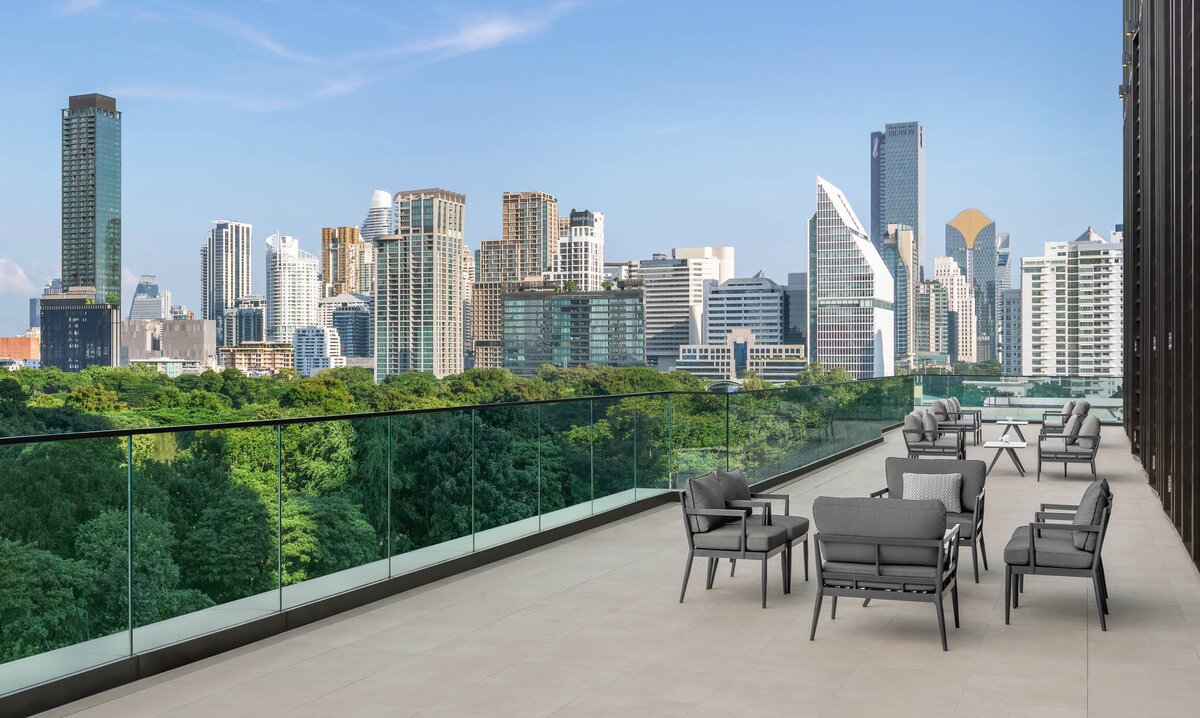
976 542
947 580
959 451
764 501
714 555
976 427
1064 457
1014 574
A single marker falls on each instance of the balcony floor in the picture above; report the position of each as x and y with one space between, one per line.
590 626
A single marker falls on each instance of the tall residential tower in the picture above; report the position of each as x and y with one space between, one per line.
91 196
225 272
898 185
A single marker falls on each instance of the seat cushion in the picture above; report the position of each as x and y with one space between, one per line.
1089 513
965 522
879 518
1053 551
728 537
797 526
946 488
704 492
890 576
930 424
974 475
945 442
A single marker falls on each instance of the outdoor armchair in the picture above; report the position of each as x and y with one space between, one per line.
1078 445
950 416
923 436
738 495
1055 422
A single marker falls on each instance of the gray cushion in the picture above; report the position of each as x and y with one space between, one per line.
796 526
1071 428
1058 445
929 423
734 487
728 537
941 410
1082 407
946 442
879 518
1089 431
704 492
1089 513
974 475
888 576
1053 551
955 404
946 488
1068 407
965 522
912 422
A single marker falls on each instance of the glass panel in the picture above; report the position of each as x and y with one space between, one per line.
613 463
333 531
64 558
431 488
1024 398
652 441
205 532
698 434
767 431
566 461
506 474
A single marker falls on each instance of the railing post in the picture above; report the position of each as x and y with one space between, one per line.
728 404
129 536
279 515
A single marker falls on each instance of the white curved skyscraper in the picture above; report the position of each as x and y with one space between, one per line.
293 288
379 216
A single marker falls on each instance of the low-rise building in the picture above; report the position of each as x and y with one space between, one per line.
315 349
572 329
78 331
739 354
255 358
191 341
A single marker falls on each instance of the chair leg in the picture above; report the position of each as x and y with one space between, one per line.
712 573
1103 582
1100 602
764 582
783 569
1064 469
1039 476
812 634
982 550
833 610
975 559
732 566
1017 589
866 602
687 572
954 603
1021 583
1094 477
941 616
1007 592
806 558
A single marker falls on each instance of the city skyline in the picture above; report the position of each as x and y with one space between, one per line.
678 150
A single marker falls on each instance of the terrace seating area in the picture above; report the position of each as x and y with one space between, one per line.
593 625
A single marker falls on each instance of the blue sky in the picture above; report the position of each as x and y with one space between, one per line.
685 122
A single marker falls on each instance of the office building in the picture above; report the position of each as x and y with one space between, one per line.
530 221
850 291
1003 263
341 260
930 324
1010 332
900 257
293 288
257 358
972 242
578 260
226 271
898 186
352 316
149 302
54 286
963 315
380 217
753 303
150 341
79 332
467 279
739 354
419 288
674 297
183 311
572 329
316 349
795 309
1072 299
487 329
248 320
91 196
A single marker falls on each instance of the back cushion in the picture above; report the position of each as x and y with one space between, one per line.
974 475
1089 431
1082 407
734 486
1089 513
704 492
1071 428
1068 407
946 488
912 422
929 422
879 518
954 404
939 410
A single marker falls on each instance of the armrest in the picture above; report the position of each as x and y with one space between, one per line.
785 498
879 494
1039 525
1059 414
1068 507
764 505
1043 515
731 513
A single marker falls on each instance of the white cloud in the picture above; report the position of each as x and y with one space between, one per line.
245 31
74 7
14 280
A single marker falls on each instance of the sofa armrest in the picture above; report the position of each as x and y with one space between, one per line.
1061 507
879 494
765 506
785 498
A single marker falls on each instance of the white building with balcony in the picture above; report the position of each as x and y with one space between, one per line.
960 302
316 349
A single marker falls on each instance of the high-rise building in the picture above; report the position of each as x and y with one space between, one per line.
530 219
572 329
738 354
419 288
930 322
467 277
91 196
352 316
248 320
900 257
795 309
898 185
1010 332
1071 299
293 288
226 271
380 217
578 259
487 329
79 332
341 248
674 297
850 291
1003 262
972 242
316 349
960 301
149 302
753 303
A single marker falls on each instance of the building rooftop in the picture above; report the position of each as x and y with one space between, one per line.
591 625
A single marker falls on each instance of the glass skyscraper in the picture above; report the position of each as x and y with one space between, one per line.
898 185
971 241
91 196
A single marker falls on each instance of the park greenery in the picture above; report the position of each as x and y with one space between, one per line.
220 514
